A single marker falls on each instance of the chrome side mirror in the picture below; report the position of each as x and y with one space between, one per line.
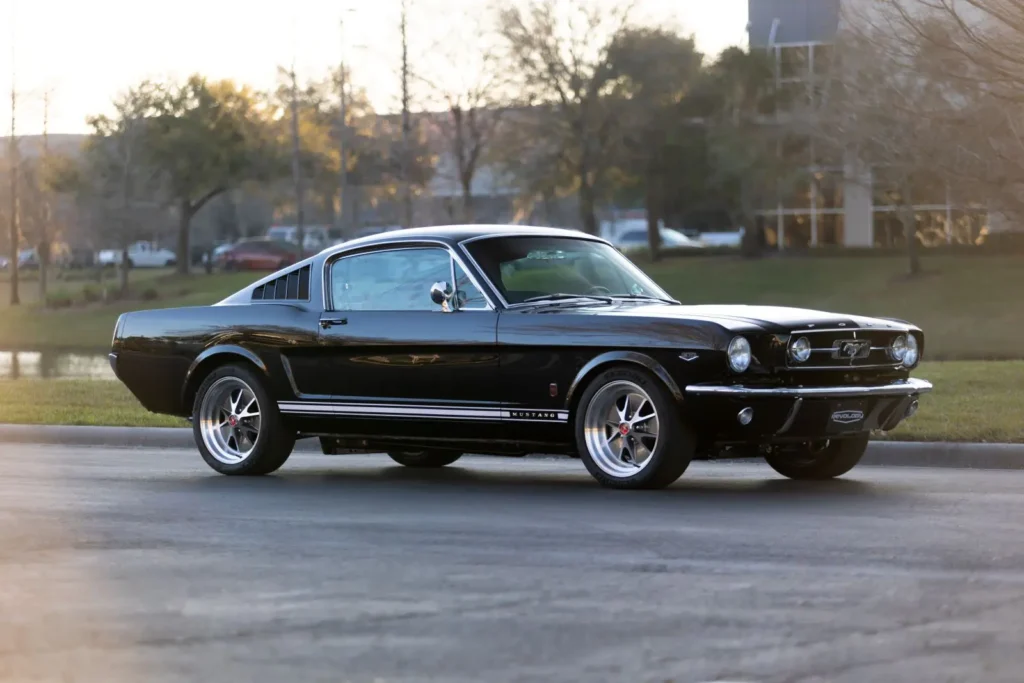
441 292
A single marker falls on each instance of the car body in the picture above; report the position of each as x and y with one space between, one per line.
258 253
140 255
369 347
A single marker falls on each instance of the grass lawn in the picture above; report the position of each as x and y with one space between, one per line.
88 327
76 402
972 402
969 307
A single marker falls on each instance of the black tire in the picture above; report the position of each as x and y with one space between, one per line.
676 441
274 442
834 460
424 459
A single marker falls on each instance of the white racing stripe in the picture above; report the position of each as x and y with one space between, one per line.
417 411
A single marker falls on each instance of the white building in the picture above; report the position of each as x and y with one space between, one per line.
843 203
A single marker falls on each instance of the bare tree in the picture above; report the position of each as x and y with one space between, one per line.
475 100
406 122
560 51
888 120
119 191
974 51
14 162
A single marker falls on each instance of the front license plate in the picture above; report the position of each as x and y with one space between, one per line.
846 417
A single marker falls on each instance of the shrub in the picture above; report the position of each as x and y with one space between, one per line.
150 294
59 298
91 294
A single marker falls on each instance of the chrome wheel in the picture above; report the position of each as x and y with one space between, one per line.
229 420
621 429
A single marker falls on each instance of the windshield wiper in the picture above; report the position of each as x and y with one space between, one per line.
565 297
646 297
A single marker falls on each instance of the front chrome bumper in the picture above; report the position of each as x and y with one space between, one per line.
907 387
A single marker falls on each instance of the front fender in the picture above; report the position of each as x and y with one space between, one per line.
614 357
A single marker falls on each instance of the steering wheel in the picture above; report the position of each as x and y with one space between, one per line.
598 289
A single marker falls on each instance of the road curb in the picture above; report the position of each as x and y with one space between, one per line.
881 453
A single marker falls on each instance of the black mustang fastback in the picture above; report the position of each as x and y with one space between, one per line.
434 342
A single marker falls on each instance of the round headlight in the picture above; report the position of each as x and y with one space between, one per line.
911 355
739 354
800 350
898 348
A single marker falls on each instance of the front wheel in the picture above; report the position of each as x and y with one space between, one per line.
824 460
237 426
424 459
630 433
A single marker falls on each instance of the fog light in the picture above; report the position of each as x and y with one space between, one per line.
911 409
745 416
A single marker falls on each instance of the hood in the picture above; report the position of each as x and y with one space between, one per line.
740 318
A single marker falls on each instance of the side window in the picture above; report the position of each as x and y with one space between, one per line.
395 280
469 295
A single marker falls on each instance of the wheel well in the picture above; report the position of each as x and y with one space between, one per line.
586 380
204 369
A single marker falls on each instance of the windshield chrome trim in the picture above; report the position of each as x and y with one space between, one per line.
527 233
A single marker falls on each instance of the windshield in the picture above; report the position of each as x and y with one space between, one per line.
525 267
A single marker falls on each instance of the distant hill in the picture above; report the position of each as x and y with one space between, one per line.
32 145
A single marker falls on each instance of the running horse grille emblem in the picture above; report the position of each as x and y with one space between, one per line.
851 349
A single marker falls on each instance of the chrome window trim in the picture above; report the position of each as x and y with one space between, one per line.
397 245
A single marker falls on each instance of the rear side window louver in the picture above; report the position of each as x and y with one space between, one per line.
293 286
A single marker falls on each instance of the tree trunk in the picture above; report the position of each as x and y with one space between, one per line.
184 247
587 216
125 267
467 200
44 265
907 218
653 219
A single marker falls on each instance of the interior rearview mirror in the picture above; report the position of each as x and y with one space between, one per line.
440 292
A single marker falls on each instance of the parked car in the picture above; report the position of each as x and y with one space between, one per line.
637 239
434 342
314 237
140 255
258 253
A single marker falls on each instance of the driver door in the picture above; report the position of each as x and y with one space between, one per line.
393 361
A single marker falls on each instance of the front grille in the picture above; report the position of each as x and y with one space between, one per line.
842 349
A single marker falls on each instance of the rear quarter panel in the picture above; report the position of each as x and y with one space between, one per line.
158 349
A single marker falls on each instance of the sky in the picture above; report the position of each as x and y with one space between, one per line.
84 53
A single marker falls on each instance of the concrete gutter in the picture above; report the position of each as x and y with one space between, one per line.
892 453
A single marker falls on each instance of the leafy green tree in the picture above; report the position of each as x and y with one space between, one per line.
654 70
204 138
560 52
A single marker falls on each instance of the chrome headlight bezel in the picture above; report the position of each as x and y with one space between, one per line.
912 354
739 354
800 350
898 348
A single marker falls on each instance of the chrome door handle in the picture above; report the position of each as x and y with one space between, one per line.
331 322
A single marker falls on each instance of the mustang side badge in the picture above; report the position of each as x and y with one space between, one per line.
847 417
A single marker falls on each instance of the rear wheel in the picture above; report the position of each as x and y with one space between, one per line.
821 460
629 432
237 426
424 459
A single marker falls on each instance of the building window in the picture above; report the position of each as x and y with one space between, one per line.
794 62
830 229
797 230
829 185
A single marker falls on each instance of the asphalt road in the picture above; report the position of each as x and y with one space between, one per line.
120 565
